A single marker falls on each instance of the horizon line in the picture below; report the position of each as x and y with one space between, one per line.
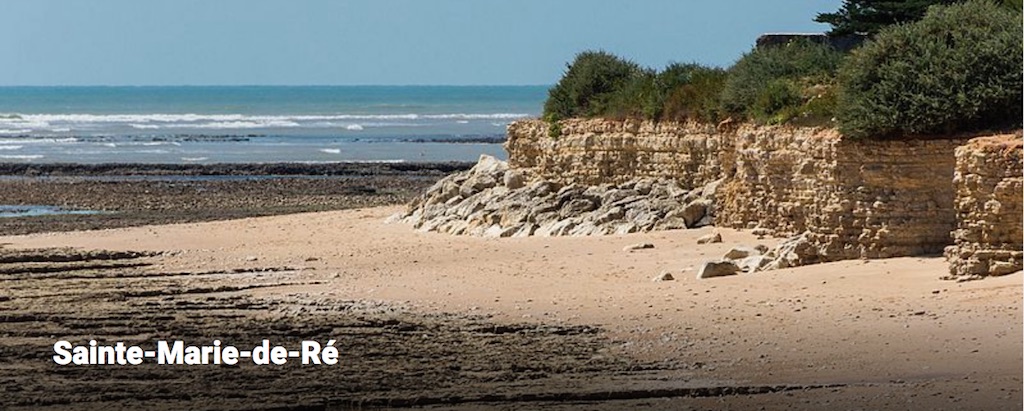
274 85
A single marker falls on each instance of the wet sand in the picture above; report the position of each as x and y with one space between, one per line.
442 322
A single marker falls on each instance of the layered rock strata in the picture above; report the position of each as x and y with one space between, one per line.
837 198
845 198
988 239
594 151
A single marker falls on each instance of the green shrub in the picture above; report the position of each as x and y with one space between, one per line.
639 97
777 101
586 87
691 92
755 85
957 69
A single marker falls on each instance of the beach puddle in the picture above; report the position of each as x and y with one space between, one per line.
17 211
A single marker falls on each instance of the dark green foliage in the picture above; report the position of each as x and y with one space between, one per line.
640 97
773 104
598 84
871 16
958 69
768 81
587 84
691 92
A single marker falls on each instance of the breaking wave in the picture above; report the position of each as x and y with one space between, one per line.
26 123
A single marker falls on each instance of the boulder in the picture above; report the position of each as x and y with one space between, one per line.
695 211
514 179
489 165
576 207
721 268
754 263
739 253
793 252
714 237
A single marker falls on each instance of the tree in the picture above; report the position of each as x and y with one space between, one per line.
869 16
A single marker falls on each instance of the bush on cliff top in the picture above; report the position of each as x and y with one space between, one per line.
586 87
957 69
598 84
691 92
770 85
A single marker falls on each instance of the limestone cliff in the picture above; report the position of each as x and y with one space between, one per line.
988 239
847 198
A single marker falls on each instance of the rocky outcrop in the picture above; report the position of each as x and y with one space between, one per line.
988 236
493 200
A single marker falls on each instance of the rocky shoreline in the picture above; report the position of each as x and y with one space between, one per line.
139 194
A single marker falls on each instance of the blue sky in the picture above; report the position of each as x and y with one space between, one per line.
356 42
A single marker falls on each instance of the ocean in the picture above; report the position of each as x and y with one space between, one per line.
259 124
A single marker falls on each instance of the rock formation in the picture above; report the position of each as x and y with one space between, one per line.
837 198
493 200
989 189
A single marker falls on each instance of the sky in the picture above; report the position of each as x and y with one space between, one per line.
370 42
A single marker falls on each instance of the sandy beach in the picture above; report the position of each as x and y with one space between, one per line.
439 321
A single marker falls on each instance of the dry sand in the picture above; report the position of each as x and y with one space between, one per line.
882 334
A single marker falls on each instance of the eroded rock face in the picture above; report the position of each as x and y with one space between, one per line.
492 200
989 186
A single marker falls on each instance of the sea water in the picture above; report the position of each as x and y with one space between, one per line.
259 124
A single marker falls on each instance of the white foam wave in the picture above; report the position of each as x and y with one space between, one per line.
144 120
22 156
39 141
15 131
331 150
354 127
194 158
10 147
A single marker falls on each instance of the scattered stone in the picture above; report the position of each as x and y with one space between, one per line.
721 268
793 252
252 258
739 253
638 246
714 237
664 276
